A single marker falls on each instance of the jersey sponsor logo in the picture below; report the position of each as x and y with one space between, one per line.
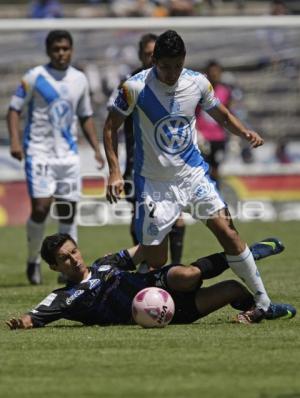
94 283
173 134
61 114
48 300
104 267
70 299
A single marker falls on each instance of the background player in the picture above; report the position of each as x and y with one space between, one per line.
103 293
56 95
214 135
170 173
176 235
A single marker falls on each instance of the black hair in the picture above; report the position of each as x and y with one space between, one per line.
51 244
169 44
145 39
57 35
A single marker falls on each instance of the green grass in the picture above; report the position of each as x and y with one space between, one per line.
209 359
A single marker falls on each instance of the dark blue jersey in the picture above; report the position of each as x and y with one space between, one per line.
105 298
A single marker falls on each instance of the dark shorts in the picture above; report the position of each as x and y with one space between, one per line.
216 153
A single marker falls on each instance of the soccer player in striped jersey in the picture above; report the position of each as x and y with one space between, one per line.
56 95
169 171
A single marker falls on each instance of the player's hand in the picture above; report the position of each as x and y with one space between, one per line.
99 160
25 322
254 138
115 186
16 152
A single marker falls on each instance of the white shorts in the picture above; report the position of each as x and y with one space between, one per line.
159 204
55 177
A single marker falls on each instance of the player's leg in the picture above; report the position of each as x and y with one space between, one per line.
215 264
212 298
35 228
209 206
156 210
40 188
66 212
176 237
156 256
238 255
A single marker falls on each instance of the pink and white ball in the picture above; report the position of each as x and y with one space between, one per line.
153 307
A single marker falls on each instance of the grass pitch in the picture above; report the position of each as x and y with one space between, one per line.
211 359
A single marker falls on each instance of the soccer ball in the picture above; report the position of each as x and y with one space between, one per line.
153 308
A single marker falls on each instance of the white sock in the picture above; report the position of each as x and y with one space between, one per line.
35 234
70 229
243 265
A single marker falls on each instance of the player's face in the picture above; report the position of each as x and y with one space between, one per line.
214 74
169 69
146 55
60 54
69 261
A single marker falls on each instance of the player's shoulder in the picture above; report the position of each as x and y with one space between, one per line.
76 73
139 79
193 75
34 72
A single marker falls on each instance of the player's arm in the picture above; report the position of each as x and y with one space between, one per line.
89 130
24 322
13 125
230 122
115 182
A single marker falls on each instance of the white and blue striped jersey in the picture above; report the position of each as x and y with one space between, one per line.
54 99
164 122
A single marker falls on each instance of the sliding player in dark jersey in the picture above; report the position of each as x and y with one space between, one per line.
102 294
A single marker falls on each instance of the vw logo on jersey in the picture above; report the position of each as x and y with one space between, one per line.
173 134
61 113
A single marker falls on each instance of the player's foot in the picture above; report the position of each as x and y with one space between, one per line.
276 311
33 272
254 315
266 247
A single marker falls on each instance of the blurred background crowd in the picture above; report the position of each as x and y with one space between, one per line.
142 8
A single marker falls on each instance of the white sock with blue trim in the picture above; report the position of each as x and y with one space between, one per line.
243 265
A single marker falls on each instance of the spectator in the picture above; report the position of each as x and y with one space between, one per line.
46 9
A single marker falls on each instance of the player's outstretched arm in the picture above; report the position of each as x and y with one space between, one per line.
24 322
230 122
115 183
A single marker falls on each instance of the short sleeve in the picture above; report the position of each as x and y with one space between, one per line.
126 98
23 92
208 99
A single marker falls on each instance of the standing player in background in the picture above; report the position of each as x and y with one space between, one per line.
214 134
56 96
170 173
176 236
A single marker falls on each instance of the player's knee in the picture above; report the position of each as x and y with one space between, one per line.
157 261
39 213
184 279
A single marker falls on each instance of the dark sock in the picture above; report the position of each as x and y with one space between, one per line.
212 265
176 243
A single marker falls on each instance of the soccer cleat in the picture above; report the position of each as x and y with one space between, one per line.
33 272
285 311
266 247
254 315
